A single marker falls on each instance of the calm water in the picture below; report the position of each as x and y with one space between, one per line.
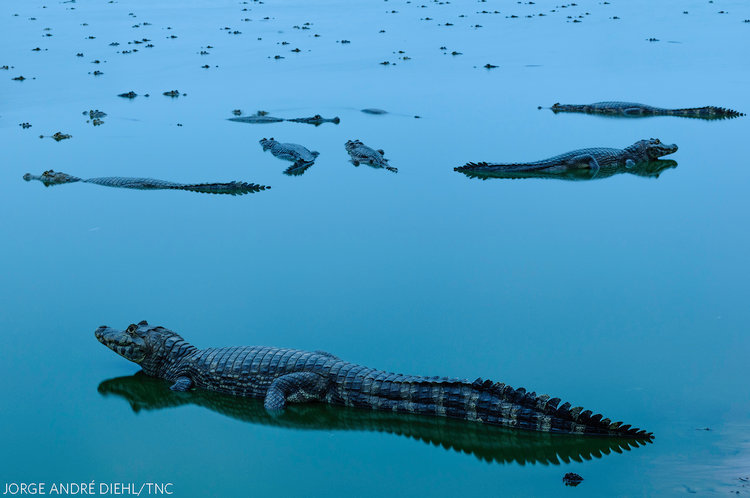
627 295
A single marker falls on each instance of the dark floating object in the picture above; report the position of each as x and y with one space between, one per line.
172 93
50 178
129 95
633 109
486 443
490 66
19 78
590 161
360 153
374 111
24 125
572 479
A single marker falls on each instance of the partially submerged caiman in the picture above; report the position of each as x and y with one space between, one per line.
361 153
262 117
485 442
301 156
50 177
650 169
316 120
592 159
633 109
283 376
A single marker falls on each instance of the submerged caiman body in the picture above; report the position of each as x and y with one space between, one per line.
650 169
592 159
485 442
50 177
316 120
634 109
281 376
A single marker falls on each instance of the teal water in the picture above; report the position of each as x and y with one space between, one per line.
627 295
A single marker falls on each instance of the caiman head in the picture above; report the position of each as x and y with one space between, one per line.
51 177
141 344
267 143
652 148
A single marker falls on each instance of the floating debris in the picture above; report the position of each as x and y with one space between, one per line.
572 479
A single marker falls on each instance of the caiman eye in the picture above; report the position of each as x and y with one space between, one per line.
656 141
131 329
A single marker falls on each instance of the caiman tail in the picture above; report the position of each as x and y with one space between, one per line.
485 402
709 112
230 188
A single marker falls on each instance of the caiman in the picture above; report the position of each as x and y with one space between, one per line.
316 120
651 169
302 157
485 442
360 153
592 159
260 117
283 376
50 177
632 109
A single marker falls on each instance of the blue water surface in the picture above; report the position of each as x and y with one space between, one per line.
627 295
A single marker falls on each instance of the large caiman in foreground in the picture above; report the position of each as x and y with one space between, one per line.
592 159
485 442
635 110
282 376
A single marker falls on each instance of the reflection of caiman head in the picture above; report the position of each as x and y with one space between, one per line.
646 169
487 443
652 148
51 177
139 343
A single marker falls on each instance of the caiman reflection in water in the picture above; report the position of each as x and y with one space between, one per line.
650 169
488 443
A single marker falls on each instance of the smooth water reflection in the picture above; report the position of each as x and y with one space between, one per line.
491 444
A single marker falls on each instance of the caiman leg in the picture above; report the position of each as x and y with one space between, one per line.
182 384
588 160
296 387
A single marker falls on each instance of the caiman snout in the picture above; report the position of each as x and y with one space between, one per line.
99 333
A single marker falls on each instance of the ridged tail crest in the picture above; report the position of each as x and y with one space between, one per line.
558 418
230 188
708 112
